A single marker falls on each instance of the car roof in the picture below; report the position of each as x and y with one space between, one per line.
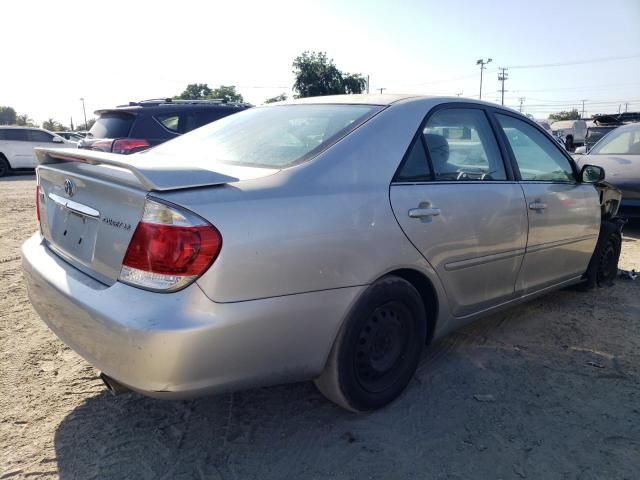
360 99
169 105
387 99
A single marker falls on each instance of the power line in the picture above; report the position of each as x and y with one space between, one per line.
578 62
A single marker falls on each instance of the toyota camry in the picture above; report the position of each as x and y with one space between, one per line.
328 238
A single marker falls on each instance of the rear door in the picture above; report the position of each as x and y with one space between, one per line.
40 138
564 215
17 148
458 203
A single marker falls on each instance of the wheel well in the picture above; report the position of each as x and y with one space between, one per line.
426 291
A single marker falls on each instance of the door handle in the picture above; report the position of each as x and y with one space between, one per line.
424 212
537 205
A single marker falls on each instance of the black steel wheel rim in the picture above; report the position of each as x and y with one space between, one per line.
381 351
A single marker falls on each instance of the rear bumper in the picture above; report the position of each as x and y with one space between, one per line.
182 344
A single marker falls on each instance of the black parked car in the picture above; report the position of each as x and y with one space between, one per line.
140 125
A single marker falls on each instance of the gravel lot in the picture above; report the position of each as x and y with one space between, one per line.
550 389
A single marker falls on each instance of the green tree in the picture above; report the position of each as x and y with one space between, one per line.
195 91
53 125
354 83
564 115
278 98
202 91
7 116
25 121
227 92
316 75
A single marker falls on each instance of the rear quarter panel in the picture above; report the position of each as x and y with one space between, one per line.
321 225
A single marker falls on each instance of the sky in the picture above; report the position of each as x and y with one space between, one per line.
110 53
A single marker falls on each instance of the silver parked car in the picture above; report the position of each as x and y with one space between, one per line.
619 154
327 238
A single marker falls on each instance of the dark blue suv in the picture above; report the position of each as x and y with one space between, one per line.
140 125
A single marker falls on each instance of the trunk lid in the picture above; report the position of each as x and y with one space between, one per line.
91 202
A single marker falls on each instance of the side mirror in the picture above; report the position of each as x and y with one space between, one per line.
592 174
57 140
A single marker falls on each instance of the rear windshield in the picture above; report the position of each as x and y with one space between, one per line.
112 125
271 137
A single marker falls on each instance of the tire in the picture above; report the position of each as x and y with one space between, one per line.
5 168
603 267
568 143
378 347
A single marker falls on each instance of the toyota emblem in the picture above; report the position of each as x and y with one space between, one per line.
69 187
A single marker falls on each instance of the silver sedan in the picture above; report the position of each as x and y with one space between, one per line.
328 238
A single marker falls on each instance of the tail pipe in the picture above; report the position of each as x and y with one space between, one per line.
115 387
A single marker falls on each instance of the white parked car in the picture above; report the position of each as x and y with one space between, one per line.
572 131
17 144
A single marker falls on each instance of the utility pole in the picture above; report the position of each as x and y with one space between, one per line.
502 76
367 84
584 100
381 89
626 107
482 64
72 124
521 99
85 113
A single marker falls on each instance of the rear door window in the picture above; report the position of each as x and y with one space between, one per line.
187 121
416 166
112 125
171 122
462 146
197 119
39 136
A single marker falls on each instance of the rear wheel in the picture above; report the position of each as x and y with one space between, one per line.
378 347
568 143
5 168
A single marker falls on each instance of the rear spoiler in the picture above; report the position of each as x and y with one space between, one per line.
150 171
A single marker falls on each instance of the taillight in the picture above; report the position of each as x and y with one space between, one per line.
101 145
129 145
38 202
170 248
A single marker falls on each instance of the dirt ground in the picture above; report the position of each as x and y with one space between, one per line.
550 389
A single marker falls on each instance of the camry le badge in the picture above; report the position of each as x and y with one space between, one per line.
69 187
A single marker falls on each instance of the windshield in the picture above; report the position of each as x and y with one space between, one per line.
271 137
621 141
